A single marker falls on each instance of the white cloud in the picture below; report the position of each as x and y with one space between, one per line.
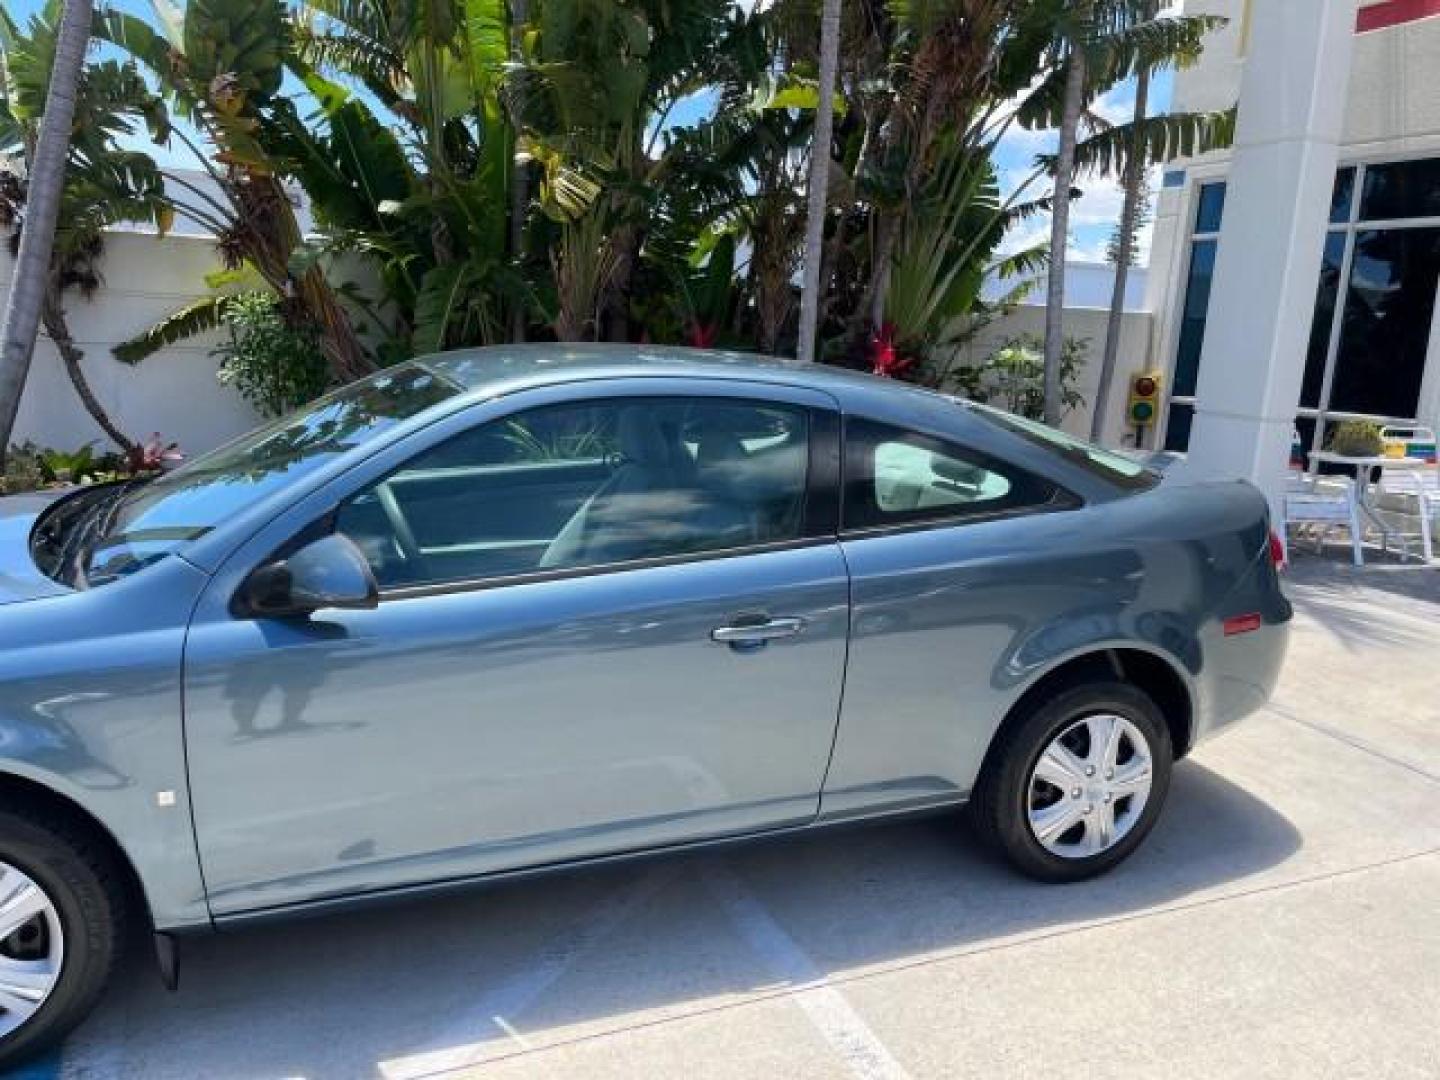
1117 105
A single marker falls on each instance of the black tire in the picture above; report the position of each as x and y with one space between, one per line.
81 878
1001 803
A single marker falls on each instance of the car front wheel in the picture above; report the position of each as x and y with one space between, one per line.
61 914
1075 782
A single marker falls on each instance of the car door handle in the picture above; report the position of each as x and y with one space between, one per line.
758 631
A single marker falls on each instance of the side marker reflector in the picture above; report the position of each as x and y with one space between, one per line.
1242 624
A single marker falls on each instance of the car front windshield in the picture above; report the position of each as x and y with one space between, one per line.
134 525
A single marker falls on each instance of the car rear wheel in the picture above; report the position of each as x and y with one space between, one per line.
1075 782
61 915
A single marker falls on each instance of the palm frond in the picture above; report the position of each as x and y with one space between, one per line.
194 318
1159 138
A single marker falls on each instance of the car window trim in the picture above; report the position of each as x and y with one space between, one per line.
1061 498
1060 502
465 585
820 512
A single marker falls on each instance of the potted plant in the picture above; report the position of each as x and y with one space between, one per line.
1357 438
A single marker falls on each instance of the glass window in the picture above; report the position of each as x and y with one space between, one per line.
1116 468
1325 294
134 525
1386 329
1192 317
587 484
1401 189
894 476
1210 208
1342 195
1177 426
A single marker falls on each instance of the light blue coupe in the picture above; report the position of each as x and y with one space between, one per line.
515 609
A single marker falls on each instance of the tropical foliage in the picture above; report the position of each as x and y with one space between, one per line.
275 366
104 185
482 171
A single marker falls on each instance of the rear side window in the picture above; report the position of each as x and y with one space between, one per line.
1117 469
896 477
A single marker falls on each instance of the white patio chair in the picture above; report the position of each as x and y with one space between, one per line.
1420 485
1320 505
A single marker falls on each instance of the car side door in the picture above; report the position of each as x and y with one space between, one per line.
607 622
956 555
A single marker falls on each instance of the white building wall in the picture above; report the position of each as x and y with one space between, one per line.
174 392
1393 111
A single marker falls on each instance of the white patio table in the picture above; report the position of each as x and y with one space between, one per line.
1362 467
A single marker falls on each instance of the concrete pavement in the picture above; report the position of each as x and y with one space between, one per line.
1281 921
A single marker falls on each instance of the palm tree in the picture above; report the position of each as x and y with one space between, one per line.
1133 183
46 184
1099 44
1060 213
103 185
221 66
819 177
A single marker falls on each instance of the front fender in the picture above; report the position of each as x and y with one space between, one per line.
90 708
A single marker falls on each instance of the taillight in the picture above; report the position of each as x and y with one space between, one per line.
1277 550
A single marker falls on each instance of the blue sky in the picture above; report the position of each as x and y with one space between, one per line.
1092 217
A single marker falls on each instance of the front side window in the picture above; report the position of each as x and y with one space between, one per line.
898 477
94 538
587 484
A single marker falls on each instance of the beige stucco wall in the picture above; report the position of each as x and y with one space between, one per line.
1085 324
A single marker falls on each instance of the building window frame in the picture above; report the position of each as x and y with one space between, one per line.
1428 398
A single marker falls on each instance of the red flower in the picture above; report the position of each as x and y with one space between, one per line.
885 358
153 455
702 336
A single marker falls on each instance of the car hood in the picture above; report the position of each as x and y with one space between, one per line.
19 577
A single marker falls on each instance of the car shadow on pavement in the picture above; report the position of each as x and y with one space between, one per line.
425 987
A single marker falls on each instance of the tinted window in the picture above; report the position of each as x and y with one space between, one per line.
1210 208
1385 328
1115 468
1325 296
588 484
1402 189
146 523
1193 315
894 476
1342 195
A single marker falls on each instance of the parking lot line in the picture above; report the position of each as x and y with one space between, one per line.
506 1002
833 1016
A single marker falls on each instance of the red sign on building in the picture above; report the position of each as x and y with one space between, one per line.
1385 13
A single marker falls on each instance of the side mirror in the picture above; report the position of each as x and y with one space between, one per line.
327 573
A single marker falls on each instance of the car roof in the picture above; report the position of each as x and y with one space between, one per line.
503 369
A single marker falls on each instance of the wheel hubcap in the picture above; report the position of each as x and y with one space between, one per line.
32 948
1090 786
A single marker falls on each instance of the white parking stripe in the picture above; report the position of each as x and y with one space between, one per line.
838 1023
503 1004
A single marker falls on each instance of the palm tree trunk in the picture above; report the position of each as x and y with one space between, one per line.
519 185
53 316
47 180
1129 214
1059 232
819 179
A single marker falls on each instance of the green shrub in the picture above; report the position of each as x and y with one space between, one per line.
275 366
1013 376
